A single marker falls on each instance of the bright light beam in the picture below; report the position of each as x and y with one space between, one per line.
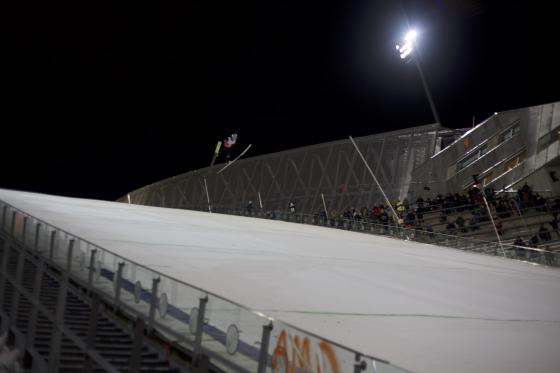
405 48
408 46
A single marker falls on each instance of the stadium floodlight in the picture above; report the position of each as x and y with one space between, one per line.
411 35
407 47
408 50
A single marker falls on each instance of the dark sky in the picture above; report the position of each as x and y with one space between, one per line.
100 99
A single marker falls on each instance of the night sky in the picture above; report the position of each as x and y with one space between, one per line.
100 99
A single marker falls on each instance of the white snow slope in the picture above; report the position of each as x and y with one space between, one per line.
422 307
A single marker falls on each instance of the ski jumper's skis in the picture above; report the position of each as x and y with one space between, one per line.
235 159
216 152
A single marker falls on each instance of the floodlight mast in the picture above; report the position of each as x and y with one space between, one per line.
407 49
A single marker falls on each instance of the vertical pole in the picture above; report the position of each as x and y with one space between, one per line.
4 214
5 257
51 246
128 197
358 364
376 182
493 223
69 256
37 235
200 324
325 206
34 309
91 268
260 200
207 196
24 230
56 341
263 354
13 230
18 282
136 353
118 279
153 301
92 331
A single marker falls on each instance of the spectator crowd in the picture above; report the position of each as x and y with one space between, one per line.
470 208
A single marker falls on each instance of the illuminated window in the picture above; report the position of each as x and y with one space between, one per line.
471 158
487 179
514 162
510 132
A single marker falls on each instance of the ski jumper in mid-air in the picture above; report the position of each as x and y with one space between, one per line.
229 143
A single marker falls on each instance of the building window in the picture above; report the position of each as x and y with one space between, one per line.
487 179
471 158
510 132
547 139
513 162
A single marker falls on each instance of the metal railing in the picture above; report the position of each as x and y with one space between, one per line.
534 255
214 329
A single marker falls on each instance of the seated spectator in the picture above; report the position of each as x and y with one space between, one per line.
439 201
431 204
448 203
474 222
450 228
364 212
460 221
540 203
356 215
525 196
490 195
375 213
457 202
400 208
548 256
384 219
480 199
499 227
519 242
420 215
534 241
430 230
554 225
556 208
473 193
544 234
519 247
411 217
406 204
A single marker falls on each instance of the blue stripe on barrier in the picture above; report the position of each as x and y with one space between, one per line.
178 314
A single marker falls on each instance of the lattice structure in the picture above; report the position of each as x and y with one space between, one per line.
301 175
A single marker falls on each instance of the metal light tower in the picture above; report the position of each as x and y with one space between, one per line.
408 52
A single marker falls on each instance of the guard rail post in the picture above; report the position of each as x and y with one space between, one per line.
265 341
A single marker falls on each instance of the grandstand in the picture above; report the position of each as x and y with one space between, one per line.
107 286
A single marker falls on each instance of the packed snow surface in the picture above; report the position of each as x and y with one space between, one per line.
425 308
